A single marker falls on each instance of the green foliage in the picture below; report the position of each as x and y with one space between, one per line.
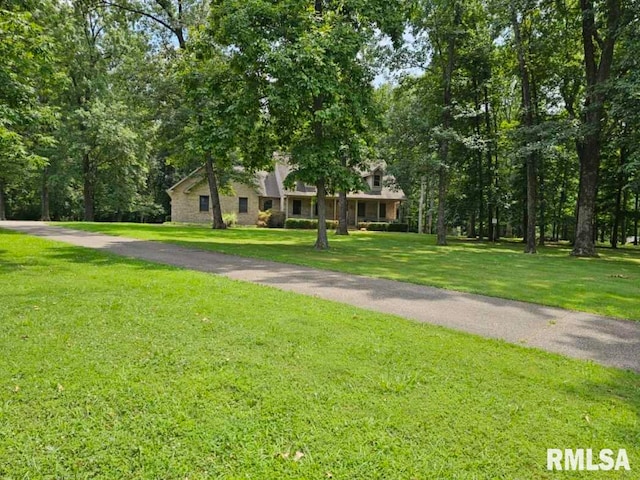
25 118
398 227
373 226
276 220
320 96
308 223
230 219
271 219
156 377
383 227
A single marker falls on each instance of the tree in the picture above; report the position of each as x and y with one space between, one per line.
229 125
24 118
320 93
528 121
601 27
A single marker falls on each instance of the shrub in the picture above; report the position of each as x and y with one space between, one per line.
398 227
308 223
332 224
263 219
377 226
231 219
302 223
276 220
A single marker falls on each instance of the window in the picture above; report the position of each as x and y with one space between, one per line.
267 205
297 207
243 206
315 209
204 203
377 179
383 210
361 209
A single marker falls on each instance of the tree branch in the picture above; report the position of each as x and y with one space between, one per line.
126 8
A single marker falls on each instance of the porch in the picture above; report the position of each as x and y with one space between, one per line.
358 210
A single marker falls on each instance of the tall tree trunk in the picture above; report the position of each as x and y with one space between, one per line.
561 203
430 209
3 205
343 226
597 72
471 233
623 221
618 207
88 190
635 222
447 77
343 210
322 242
45 215
441 227
421 204
492 176
527 106
479 166
217 222
481 211
543 220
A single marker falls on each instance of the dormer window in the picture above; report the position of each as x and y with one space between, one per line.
377 181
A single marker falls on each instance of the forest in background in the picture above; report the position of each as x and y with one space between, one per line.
520 118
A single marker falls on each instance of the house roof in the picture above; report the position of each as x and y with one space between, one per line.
271 184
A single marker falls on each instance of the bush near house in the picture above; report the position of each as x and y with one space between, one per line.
263 219
276 220
383 227
270 219
308 223
231 219
398 227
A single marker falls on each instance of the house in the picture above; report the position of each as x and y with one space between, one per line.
190 202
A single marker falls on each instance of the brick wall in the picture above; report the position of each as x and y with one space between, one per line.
185 206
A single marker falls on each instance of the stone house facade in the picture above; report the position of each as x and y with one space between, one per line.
190 201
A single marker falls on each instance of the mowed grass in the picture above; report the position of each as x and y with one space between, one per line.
114 368
609 285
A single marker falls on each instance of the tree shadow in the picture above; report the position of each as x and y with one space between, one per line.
581 335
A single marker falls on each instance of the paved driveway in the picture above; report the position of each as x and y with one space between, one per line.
580 335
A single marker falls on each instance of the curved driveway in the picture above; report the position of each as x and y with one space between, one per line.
580 335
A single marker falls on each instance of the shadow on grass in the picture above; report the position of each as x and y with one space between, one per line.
486 316
598 338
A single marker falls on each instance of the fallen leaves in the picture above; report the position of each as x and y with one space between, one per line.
287 456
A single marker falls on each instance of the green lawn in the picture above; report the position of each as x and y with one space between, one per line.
113 368
609 285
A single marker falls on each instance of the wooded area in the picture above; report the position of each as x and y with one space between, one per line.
519 118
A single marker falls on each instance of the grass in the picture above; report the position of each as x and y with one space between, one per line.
609 285
115 368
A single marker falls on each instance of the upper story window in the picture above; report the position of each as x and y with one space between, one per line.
204 203
377 180
243 205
